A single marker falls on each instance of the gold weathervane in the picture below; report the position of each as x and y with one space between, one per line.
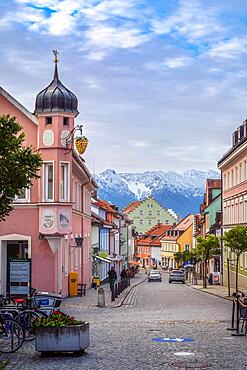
55 52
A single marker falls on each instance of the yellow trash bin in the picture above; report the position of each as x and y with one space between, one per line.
96 281
73 283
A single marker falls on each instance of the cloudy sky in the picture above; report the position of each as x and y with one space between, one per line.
161 83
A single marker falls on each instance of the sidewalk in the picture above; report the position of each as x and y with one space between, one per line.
217 290
90 300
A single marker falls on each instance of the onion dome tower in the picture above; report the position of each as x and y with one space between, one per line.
56 98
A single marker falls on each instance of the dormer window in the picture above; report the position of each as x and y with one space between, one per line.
66 121
48 120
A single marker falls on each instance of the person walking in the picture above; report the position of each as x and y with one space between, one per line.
123 273
112 277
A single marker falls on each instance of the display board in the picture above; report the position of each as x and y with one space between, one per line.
19 277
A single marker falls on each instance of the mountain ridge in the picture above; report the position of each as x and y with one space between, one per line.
181 192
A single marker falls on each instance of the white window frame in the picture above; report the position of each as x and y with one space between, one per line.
26 198
45 186
66 181
66 256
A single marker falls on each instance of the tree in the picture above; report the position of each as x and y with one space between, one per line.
236 240
206 248
18 164
179 258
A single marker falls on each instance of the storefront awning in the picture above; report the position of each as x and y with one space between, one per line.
102 259
167 254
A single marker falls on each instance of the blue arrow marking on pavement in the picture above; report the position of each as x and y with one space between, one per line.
174 340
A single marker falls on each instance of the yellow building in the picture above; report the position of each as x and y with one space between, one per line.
177 239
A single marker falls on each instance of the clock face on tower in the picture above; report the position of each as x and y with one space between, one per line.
48 137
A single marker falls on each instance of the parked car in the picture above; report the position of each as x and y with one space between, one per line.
177 275
154 275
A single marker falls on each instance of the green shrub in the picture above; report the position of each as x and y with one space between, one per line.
57 320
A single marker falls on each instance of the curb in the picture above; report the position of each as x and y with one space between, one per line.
204 291
123 298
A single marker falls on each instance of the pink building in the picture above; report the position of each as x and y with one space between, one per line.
48 217
233 166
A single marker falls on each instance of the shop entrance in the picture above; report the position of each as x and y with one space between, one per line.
10 249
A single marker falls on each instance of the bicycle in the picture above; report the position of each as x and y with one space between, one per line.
25 317
12 334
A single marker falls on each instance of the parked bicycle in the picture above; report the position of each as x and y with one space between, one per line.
12 334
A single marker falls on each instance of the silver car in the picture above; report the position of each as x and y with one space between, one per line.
177 275
154 275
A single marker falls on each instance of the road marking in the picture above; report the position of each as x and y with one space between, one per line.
174 340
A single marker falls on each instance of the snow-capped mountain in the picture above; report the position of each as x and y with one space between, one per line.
182 192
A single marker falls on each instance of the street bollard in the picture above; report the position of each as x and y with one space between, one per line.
233 312
101 297
238 334
113 293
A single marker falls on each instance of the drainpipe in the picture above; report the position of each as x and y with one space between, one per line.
82 205
221 231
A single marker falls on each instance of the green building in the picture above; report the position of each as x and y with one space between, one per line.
148 213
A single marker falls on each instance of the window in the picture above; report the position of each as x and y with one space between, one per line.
150 222
48 120
167 222
232 178
48 181
150 213
228 180
240 172
158 222
141 222
141 213
66 121
64 182
224 182
236 175
23 196
158 213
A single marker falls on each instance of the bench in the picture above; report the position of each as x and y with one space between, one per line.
81 289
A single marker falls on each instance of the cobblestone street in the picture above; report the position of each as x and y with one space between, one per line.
122 338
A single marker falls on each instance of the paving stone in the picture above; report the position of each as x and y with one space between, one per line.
121 338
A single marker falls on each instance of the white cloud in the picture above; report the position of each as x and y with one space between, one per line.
96 55
230 49
104 36
176 62
191 20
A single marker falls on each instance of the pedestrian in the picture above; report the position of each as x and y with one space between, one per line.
112 277
123 273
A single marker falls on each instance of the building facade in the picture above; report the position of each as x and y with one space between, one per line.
177 239
51 221
233 166
148 213
148 250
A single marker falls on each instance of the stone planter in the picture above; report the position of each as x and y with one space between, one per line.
73 338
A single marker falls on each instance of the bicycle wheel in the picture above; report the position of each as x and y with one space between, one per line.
11 336
26 319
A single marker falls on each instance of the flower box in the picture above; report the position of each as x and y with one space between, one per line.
74 338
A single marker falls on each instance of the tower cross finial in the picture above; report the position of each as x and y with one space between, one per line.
55 52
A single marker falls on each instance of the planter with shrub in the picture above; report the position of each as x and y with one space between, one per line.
61 333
